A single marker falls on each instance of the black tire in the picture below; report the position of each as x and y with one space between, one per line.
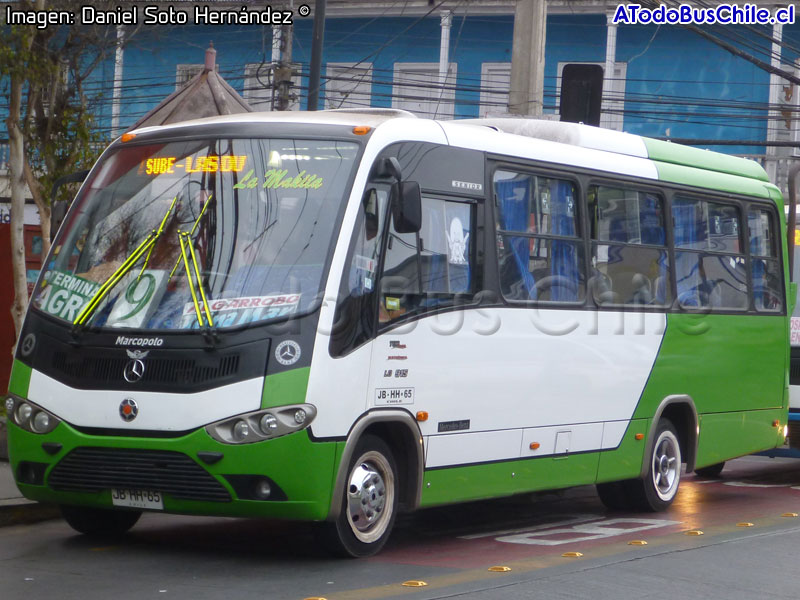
660 486
369 502
615 495
99 522
711 471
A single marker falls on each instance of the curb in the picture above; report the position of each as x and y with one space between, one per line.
26 512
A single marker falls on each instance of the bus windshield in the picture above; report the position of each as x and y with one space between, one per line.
196 233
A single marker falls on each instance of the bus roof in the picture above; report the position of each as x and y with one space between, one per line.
575 134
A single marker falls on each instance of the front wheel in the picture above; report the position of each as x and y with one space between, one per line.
660 486
369 505
99 522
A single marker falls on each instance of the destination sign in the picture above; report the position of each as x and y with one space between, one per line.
232 163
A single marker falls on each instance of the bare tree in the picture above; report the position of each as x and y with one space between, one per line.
50 124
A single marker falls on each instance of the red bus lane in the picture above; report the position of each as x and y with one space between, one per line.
752 493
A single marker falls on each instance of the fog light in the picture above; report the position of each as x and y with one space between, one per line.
263 489
9 406
786 431
268 423
24 413
300 416
41 422
241 430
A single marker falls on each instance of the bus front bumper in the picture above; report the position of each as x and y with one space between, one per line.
192 474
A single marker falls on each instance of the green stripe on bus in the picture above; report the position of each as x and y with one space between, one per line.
719 182
20 379
284 388
679 154
711 358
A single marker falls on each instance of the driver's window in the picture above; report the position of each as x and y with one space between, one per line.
364 265
432 268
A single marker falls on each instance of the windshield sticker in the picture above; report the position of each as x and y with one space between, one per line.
280 179
228 312
457 242
143 293
64 294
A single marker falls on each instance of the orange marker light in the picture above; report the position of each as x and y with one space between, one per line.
127 137
639 436
422 415
361 130
535 445
776 423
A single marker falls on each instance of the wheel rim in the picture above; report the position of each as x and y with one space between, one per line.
666 465
370 497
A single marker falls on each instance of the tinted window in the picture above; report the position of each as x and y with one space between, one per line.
625 270
540 255
429 269
767 285
710 269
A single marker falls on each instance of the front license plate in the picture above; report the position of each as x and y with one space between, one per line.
144 499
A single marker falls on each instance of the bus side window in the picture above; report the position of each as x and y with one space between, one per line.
630 263
431 268
767 285
710 269
539 248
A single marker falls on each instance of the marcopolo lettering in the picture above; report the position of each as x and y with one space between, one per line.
128 341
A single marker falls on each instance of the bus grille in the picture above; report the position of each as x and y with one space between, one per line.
180 371
173 473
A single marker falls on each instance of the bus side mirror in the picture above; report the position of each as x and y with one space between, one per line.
407 207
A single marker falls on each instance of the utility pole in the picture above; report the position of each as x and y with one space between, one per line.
317 36
527 58
282 75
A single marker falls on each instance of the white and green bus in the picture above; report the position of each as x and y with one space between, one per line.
338 316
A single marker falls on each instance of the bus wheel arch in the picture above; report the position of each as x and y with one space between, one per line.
680 410
399 430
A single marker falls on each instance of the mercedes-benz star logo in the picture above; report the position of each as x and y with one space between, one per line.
28 342
133 371
128 410
287 352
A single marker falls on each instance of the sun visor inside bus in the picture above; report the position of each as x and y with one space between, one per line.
440 168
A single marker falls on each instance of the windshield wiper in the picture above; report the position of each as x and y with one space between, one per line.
187 252
158 234
146 246
191 232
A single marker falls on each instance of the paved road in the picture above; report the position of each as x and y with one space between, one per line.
451 549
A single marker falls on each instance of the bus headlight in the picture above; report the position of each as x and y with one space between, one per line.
262 425
268 424
29 416
40 422
241 430
24 413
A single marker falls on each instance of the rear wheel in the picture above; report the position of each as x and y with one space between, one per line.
660 486
369 505
99 522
